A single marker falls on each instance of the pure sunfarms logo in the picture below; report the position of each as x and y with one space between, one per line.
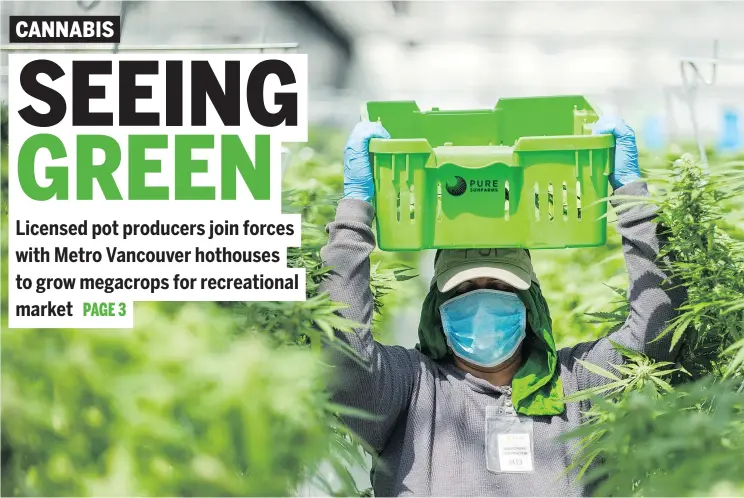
149 178
459 185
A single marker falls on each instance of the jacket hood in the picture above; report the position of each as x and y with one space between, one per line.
536 387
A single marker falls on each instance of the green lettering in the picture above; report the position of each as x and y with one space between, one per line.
102 173
186 166
57 174
139 167
257 179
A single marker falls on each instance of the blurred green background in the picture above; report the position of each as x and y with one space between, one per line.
229 399
226 399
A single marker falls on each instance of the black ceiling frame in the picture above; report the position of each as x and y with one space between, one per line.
321 22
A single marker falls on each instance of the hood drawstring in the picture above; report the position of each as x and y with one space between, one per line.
508 404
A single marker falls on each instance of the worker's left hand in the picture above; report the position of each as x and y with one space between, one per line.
626 151
358 181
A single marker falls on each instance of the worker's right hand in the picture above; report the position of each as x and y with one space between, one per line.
358 182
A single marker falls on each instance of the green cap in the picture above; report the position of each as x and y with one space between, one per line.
511 266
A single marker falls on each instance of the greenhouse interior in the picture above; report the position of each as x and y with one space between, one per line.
148 413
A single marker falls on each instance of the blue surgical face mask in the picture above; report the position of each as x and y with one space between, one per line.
484 327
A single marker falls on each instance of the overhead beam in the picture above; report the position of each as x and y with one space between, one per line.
401 7
322 23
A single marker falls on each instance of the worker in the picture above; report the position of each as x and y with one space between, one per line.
477 407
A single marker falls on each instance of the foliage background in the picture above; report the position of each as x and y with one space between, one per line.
199 399
225 399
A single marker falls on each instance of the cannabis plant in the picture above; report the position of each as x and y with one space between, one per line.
198 399
649 429
710 264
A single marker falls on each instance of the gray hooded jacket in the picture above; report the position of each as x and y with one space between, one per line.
429 432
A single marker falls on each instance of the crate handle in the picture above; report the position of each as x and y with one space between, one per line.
400 146
475 157
564 142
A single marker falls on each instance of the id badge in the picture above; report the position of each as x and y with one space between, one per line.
509 441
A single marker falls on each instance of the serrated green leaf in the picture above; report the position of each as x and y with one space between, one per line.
594 391
661 383
352 412
627 352
595 369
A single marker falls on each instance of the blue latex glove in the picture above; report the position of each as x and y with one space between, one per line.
358 182
626 151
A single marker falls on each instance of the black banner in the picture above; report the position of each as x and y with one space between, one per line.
65 29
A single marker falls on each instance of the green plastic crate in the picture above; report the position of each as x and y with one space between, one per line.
527 173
